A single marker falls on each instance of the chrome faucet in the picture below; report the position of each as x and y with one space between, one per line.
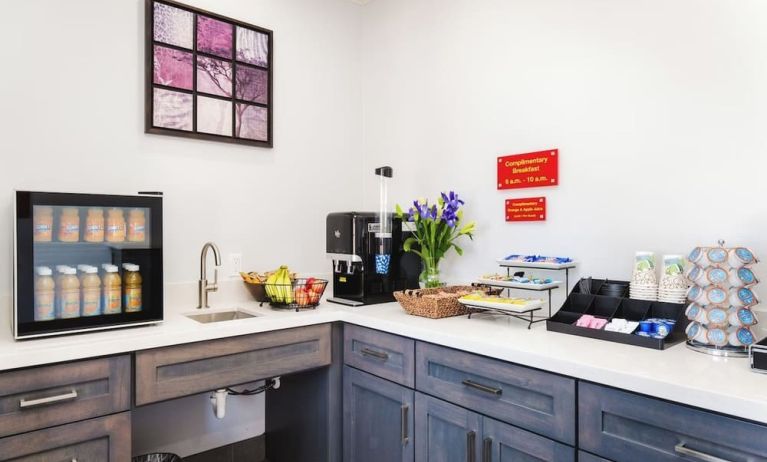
203 285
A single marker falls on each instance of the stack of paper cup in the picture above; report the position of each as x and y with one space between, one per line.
673 282
644 281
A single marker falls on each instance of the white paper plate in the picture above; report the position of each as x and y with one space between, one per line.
529 306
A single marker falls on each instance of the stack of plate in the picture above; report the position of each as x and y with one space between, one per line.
644 281
673 283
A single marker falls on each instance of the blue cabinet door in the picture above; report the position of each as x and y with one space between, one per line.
504 443
378 419
445 432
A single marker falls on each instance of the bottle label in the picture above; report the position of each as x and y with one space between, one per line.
94 228
70 304
44 307
91 302
112 300
132 299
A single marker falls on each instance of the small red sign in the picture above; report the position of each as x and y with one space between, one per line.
526 209
529 170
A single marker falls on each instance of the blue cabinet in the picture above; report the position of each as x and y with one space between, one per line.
445 432
385 355
505 443
378 419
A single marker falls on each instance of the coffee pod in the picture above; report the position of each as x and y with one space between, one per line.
715 296
716 255
698 256
712 275
696 275
739 257
697 332
717 337
741 336
716 316
695 312
741 277
741 317
695 294
743 297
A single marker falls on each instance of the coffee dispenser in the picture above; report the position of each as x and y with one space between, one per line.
369 263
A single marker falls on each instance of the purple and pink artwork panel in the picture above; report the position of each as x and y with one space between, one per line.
173 26
252 47
214 76
172 109
214 37
173 68
252 84
252 122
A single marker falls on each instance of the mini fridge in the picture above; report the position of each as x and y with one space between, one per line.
85 262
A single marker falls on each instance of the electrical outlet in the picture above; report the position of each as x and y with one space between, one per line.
235 263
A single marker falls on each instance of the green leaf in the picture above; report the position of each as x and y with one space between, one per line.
458 250
399 211
406 246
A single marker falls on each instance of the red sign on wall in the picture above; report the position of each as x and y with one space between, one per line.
526 209
529 170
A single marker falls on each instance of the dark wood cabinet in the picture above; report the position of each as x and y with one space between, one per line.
104 439
40 397
505 443
385 355
378 419
446 432
182 370
626 427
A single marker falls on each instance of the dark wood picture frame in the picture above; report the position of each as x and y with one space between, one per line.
150 85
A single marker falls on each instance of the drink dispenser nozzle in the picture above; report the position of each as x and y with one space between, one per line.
384 234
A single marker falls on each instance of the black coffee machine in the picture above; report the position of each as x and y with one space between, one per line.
369 263
359 276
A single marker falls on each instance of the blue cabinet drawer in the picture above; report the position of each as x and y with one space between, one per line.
386 355
623 426
534 400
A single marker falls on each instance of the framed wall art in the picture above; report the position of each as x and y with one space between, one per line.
207 76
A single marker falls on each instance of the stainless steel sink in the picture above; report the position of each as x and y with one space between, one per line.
220 316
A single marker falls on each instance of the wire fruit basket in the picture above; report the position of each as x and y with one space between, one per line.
300 294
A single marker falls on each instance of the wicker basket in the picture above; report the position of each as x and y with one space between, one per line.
441 302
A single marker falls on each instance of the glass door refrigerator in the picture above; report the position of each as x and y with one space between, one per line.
86 262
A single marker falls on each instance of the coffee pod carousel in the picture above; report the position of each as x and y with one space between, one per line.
721 299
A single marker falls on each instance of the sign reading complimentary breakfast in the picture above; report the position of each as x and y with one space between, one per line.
531 170
526 209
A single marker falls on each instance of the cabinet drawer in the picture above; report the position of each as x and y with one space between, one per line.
104 439
586 457
627 427
182 370
41 397
385 355
538 401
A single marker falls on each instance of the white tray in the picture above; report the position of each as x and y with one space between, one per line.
538 265
511 308
520 285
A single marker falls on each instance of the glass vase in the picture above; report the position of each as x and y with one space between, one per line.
430 277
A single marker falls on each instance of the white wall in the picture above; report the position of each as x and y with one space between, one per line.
71 119
658 107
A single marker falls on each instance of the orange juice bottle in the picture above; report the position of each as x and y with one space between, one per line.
91 291
136 225
69 293
69 225
94 225
45 309
115 230
42 224
132 279
112 301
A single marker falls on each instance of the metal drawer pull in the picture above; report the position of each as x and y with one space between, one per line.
471 438
487 450
376 354
480 387
681 449
23 403
403 424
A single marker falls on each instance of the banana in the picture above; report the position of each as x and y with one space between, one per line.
287 286
272 288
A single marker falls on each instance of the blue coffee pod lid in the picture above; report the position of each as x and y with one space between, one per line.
746 296
717 295
746 275
746 317
745 255
717 275
694 293
745 336
717 337
662 329
717 316
717 255
692 311
695 254
692 330
694 273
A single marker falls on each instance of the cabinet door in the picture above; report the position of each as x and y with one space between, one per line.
445 432
504 443
378 419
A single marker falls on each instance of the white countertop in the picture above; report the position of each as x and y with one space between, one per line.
676 374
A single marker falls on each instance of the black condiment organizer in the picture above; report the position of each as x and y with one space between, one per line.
606 307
